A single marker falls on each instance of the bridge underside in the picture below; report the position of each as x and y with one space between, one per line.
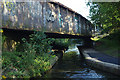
19 34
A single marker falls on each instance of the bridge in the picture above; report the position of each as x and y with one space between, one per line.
54 18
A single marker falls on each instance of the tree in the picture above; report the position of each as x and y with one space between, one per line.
105 15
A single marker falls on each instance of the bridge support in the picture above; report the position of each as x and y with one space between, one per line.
88 43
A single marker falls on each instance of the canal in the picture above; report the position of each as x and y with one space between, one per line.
72 66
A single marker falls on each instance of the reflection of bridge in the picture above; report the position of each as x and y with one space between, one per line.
51 17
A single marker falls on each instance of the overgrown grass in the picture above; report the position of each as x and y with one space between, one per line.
110 44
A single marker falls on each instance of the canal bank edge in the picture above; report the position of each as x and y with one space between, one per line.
108 67
54 60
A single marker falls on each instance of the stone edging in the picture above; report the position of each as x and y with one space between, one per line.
109 67
53 61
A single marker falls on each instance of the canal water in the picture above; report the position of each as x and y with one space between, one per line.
75 68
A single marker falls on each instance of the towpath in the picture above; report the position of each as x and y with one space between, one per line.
102 57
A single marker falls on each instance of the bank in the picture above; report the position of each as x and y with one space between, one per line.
100 64
28 59
59 55
16 72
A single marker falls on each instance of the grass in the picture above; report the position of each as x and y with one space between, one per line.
69 55
109 45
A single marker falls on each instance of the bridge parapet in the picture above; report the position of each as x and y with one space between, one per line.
51 17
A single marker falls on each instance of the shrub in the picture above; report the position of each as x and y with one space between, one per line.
15 63
61 44
33 61
37 44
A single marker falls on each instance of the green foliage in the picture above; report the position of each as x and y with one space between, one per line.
37 44
70 55
111 40
115 36
15 64
3 39
61 44
33 61
77 41
19 47
20 64
105 15
110 44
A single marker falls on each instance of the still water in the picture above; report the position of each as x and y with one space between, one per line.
75 69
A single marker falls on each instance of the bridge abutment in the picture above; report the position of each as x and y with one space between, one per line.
88 42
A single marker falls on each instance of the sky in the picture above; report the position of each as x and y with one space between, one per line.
77 5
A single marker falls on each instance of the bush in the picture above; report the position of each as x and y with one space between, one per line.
61 44
33 61
16 64
37 44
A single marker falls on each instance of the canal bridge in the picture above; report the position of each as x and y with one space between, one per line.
54 18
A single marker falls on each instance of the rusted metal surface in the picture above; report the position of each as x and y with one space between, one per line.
51 17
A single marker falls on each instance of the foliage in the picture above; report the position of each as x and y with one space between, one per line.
33 61
61 44
14 64
77 41
19 64
105 15
3 38
19 47
70 55
37 44
109 44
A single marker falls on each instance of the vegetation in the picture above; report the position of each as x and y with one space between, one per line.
109 44
33 61
70 55
106 15
61 44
